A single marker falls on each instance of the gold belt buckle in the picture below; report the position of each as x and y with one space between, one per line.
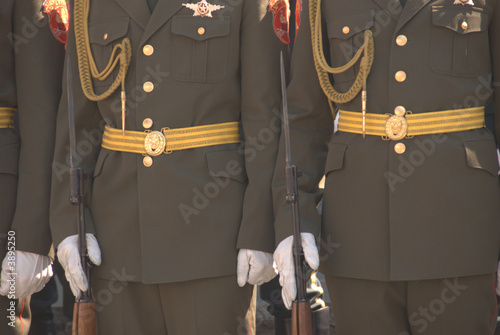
155 143
396 127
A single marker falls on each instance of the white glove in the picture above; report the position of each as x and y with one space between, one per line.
283 257
69 257
254 267
24 273
498 154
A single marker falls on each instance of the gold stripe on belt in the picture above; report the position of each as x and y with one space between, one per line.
7 117
407 124
154 143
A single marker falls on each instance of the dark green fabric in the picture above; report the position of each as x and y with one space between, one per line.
403 2
152 4
447 306
412 217
30 159
207 306
230 73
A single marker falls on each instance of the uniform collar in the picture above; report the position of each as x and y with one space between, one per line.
139 11
399 14
411 8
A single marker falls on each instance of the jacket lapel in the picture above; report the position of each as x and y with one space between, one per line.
411 8
391 7
138 10
164 10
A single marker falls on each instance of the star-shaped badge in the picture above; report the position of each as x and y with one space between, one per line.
464 2
202 8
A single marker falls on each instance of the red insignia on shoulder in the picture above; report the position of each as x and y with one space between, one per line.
298 10
281 15
57 10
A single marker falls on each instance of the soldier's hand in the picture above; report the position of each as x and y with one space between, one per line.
283 257
69 257
24 273
254 267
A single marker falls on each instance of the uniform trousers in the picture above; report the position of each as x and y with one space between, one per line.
451 306
210 306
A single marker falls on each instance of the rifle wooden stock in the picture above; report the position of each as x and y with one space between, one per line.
84 318
301 318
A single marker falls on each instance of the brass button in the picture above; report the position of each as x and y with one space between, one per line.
105 37
346 30
465 25
148 50
400 148
401 40
201 31
148 86
400 111
147 123
147 161
400 76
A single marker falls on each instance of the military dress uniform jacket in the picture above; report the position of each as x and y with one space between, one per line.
433 209
31 62
183 217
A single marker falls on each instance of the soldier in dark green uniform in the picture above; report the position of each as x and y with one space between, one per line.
412 191
31 62
179 210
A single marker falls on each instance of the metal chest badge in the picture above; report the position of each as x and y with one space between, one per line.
57 10
464 2
202 8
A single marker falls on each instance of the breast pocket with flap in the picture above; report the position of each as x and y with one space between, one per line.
200 48
346 36
459 43
103 36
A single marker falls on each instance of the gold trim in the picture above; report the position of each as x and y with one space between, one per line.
396 127
7 117
418 124
154 143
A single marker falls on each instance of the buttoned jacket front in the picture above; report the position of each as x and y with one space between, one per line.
183 217
417 208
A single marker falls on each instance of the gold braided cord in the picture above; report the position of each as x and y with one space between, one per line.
322 67
122 53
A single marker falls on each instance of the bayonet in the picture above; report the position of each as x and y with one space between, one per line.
301 310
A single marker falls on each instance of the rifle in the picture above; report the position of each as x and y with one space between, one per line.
301 308
84 308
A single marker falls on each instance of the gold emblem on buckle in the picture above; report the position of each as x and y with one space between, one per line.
396 127
155 143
